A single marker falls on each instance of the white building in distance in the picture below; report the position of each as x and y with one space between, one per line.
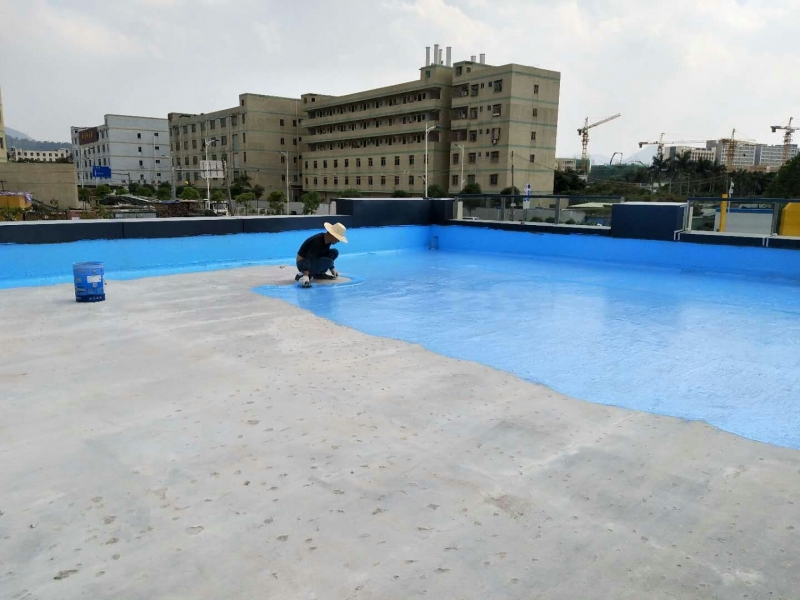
744 155
695 154
772 156
17 154
135 148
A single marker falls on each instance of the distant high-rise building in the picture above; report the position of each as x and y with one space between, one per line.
772 156
135 148
744 156
695 154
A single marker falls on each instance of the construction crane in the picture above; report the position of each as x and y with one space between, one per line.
787 137
661 143
584 133
731 144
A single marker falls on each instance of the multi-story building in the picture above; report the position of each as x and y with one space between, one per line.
481 120
695 154
744 155
3 149
136 149
17 154
374 141
772 156
571 164
259 138
502 117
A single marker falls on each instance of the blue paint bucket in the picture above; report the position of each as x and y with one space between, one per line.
89 281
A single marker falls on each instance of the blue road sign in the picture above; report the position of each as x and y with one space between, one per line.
101 172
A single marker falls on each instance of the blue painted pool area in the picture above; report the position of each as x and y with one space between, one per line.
698 332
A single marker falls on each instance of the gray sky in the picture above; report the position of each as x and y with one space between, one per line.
691 68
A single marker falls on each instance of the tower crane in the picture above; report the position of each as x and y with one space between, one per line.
661 143
787 137
584 133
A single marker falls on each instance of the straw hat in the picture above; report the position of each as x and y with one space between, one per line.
337 231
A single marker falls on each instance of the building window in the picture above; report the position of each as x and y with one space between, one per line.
306 165
410 180
369 161
140 150
315 164
473 136
324 164
139 136
496 110
222 122
473 113
234 120
335 163
471 158
346 180
369 180
158 174
315 181
498 86
213 123
455 179
244 156
533 136
242 115
283 158
335 180
224 140
141 163
194 144
186 161
396 161
459 70
294 178
397 180
306 180
494 157
186 145
281 122
358 162
202 126
383 161
383 180
455 158
346 163
157 148
410 159
283 177
294 122
196 176
493 179
535 112
358 180
536 89
533 158
283 141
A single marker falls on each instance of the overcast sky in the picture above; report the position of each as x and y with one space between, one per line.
691 68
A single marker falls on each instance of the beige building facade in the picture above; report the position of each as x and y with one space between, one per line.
695 154
374 141
3 142
49 183
502 116
485 119
259 138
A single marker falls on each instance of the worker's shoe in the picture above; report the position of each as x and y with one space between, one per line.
334 273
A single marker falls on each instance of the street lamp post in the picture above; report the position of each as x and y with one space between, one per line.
206 143
427 131
462 166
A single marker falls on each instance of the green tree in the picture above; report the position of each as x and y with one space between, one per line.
103 190
311 202
121 190
471 188
436 191
190 193
400 194
218 196
245 199
350 193
258 190
240 185
144 191
568 183
164 193
277 203
84 194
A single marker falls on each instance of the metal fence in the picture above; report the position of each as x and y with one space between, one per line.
564 210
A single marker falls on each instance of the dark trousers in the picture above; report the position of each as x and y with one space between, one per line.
318 265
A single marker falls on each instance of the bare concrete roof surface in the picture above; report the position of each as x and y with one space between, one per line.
189 438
